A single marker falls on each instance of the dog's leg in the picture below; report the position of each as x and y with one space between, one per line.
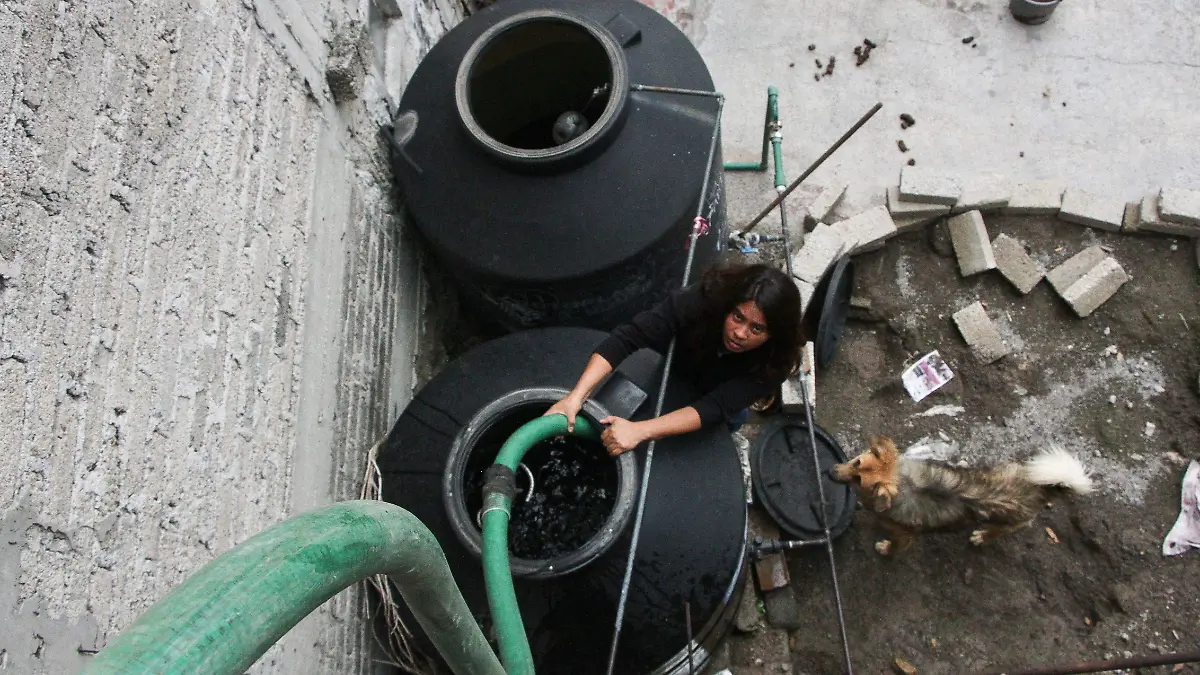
901 538
988 533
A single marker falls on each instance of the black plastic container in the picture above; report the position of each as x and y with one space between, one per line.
550 191
693 534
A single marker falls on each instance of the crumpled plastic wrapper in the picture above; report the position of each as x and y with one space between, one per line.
1185 534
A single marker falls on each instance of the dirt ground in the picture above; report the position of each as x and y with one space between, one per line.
1118 388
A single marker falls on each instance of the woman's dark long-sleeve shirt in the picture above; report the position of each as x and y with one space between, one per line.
733 381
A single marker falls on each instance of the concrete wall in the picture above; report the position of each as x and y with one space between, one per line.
208 304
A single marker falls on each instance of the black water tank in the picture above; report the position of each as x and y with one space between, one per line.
552 193
693 533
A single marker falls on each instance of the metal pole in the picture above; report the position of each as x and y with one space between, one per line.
1111 664
662 386
815 165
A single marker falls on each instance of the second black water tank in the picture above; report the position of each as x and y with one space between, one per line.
552 193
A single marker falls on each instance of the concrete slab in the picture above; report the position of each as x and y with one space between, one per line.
1132 218
972 247
1102 212
822 247
920 184
1038 198
992 106
868 230
1015 264
983 193
1180 206
1097 286
914 223
1150 219
906 209
1074 268
980 333
819 209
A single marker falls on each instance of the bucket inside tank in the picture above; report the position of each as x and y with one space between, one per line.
566 488
527 77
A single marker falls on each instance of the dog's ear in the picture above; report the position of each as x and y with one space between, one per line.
883 496
883 448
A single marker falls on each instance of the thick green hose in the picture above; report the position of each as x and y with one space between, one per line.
230 612
772 118
497 575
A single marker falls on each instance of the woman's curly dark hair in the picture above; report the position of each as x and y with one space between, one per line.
726 287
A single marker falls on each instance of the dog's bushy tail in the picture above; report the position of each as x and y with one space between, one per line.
1058 467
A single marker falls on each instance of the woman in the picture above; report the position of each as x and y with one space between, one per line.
738 339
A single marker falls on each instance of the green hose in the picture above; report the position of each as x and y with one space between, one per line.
497 503
222 618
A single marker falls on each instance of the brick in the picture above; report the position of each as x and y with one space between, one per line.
1015 264
914 223
918 184
989 192
980 333
1099 211
819 209
1150 219
1133 212
868 230
822 247
1073 268
793 397
900 208
1035 198
1180 206
1095 287
971 244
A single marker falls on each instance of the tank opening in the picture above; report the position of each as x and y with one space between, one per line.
574 488
540 84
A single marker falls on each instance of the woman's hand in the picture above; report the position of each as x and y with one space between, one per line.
569 406
621 436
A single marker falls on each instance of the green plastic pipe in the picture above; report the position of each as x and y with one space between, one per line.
497 575
772 120
225 616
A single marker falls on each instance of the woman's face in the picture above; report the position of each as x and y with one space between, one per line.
745 328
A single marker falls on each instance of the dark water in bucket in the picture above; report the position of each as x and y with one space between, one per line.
574 490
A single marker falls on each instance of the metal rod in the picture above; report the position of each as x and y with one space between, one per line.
677 90
687 618
837 592
662 386
815 165
1111 664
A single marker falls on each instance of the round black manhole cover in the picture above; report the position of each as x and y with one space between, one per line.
785 480
834 295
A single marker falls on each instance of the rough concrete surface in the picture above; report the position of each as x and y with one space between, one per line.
906 209
1071 269
979 332
1093 210
1015 264
1095 287
971 243
983 193
208 310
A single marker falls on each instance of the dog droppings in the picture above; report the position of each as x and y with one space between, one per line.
902 145
907 120
912 162
812 48
968 40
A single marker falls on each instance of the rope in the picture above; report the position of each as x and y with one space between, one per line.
700 227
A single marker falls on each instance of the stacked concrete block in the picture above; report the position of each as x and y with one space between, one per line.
1035 198
1074 268
822 248
918 184
984 193
793 396
1180 206
867 231
1015 264
820 208
972 246
899 208
1093 210
1152 218
980 333
1132 219
1095 287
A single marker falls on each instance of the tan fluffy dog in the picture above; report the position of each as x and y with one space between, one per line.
913 496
